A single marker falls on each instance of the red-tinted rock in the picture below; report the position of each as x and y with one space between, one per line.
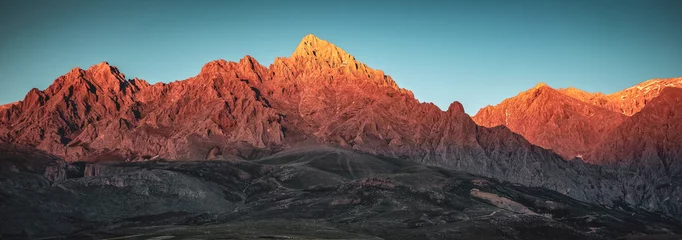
573 122
552 120
652 137
319 95
628 101
52 118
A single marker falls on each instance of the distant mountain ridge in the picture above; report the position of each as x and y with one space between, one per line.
573 122
553 120
637 131
627 101
318 95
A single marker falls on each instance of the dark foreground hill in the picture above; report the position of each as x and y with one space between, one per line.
314 192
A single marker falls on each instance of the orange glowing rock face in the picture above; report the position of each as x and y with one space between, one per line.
318 95
316 60
651 137
575 123
324 53
321 95
628 101
552 120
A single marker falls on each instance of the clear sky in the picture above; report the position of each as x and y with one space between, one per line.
476 53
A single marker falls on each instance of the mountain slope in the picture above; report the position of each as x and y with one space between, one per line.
552 120
628 101
642 150
653 134
570 121
650 142
318 95
52 118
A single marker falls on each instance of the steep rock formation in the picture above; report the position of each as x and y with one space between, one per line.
319 95
653 134
52 118
219 108
552 120
649 145
628 101
642 151
8 112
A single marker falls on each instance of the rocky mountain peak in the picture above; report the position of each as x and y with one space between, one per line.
627 101
539 91
541 85
321 51
106 71
322 95
248 60
455 108
245 68
551 119
543 88
102 66
101 76
214 66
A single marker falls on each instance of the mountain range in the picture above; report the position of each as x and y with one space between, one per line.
575 123
620 151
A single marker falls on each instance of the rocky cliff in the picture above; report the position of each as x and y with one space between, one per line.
552 120
634 134
318 95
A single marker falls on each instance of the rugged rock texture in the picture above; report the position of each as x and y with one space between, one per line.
53 118
20 159
570 121
319 95
653 134
8 111
94 114
649 145
628 101
643 151
552 120
311 193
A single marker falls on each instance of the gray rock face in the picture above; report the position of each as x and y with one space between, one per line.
17 158
319 192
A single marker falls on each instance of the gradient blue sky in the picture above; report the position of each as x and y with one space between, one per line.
476 53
